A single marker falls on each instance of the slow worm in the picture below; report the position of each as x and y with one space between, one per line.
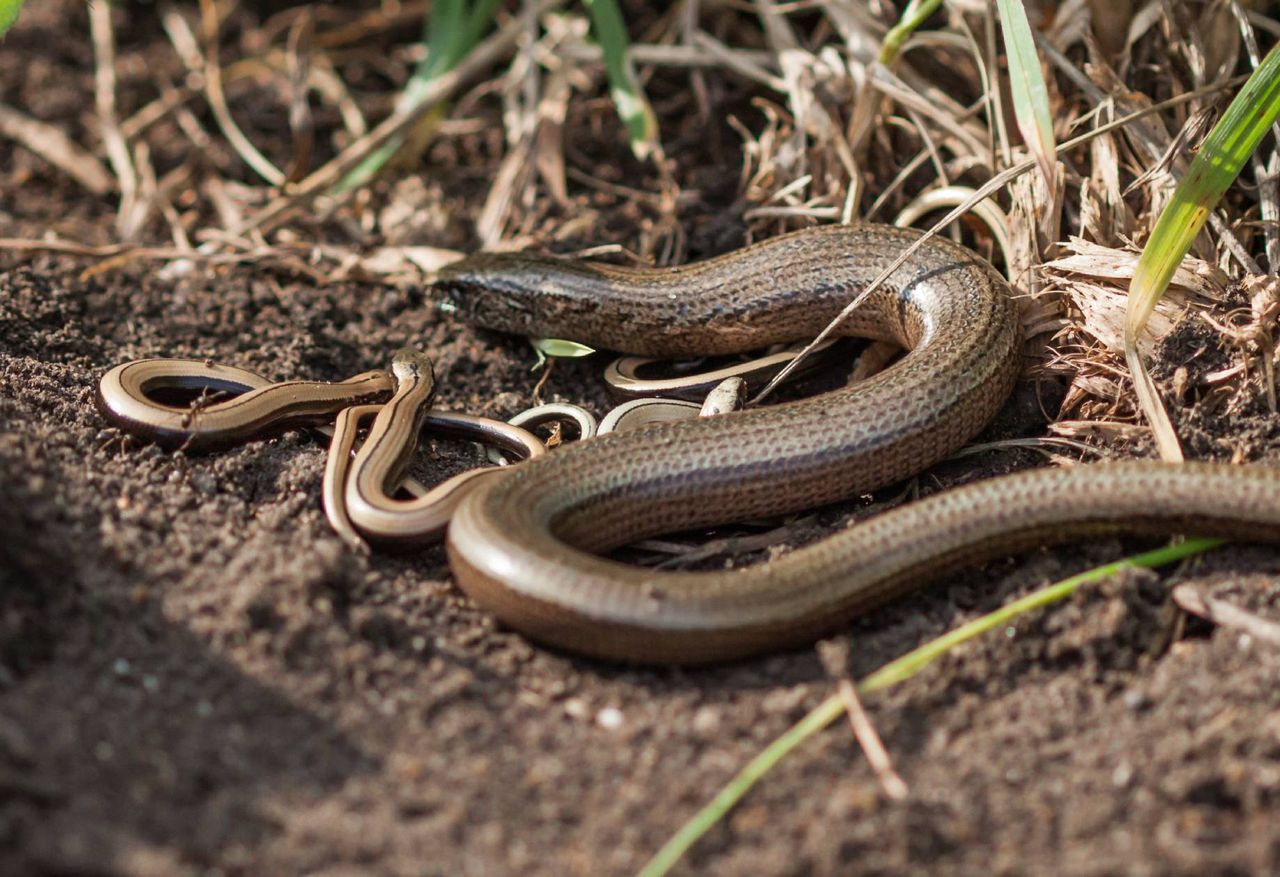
363 498
527 546
258 407
358 493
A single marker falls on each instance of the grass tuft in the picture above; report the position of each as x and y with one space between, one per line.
1213 170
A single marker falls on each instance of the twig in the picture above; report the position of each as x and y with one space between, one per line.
104 82
261 165
834 655
53 146
869 740
1226 614
742 63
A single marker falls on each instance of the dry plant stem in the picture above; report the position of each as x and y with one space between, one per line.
869 740
56 148
689 10
514 175
73 248
104 82
683 55
987 188
301 124
1153 142
950 196
999 152
261 165
1266 173
372 23
743 63
481 57
889 84
1225 614
141 121
182 38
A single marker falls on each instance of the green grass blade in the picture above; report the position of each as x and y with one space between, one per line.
912 17
1214 168
449 32
624 88
891 674
826 713
441 29
8 14
1027 87
916 660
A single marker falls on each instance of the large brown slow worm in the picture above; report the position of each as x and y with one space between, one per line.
527 546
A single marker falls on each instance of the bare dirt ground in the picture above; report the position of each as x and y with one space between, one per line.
196 676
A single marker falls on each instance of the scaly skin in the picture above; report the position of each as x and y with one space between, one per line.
526 546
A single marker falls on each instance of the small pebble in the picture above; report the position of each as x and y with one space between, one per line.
706 721
1137 700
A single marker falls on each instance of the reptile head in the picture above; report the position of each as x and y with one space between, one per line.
491 290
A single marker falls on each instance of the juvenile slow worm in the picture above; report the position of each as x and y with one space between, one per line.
358 507
258 406
363 499
527 545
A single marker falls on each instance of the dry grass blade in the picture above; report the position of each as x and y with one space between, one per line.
104 45
1212 171
869 740
261 165
54 147
986 210
440 88
991 186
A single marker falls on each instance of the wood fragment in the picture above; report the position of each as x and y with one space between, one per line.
834 657
1226 614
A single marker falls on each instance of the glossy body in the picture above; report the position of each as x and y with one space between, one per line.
527 546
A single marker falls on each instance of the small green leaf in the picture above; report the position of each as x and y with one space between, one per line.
560 347
8 14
